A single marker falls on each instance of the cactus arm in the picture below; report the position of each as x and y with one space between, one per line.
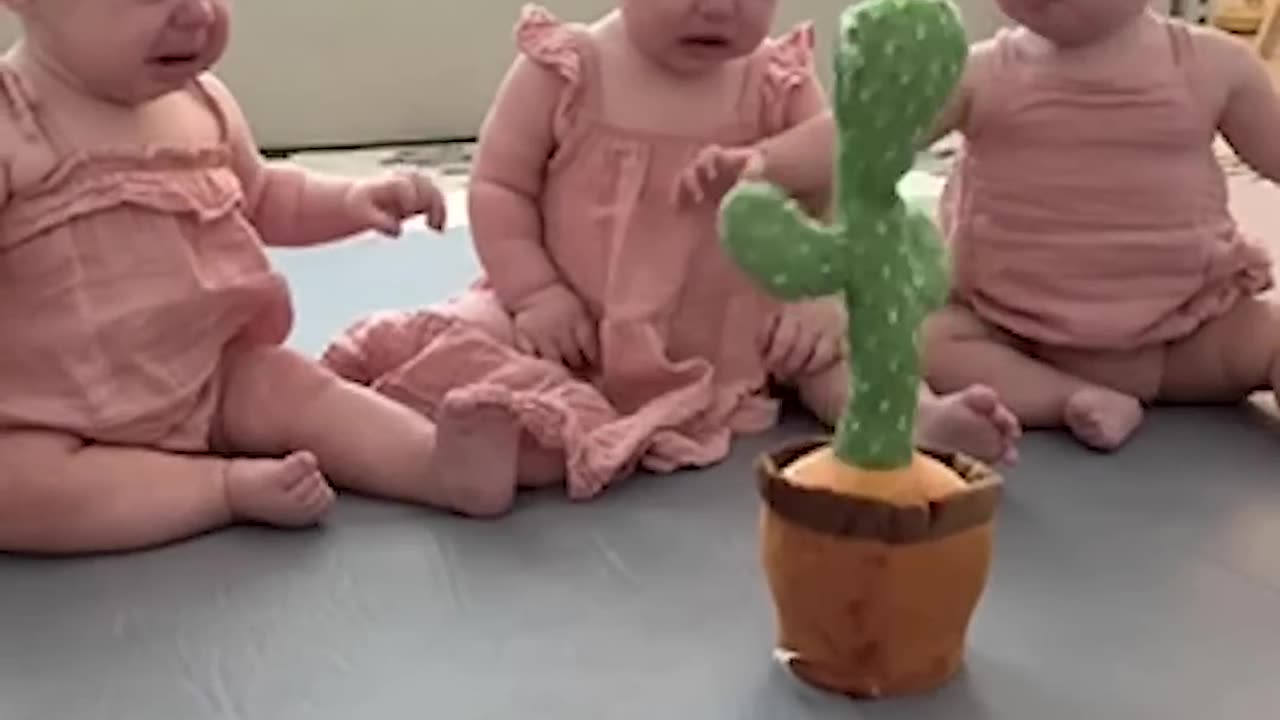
809 264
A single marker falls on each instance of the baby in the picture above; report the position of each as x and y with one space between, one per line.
1099 268
144 394
624 333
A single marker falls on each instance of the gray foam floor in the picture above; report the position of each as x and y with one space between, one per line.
1140 585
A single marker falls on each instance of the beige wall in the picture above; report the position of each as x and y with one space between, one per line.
326 72
321 71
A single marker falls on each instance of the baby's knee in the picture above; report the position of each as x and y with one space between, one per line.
263 385
826 391
952 323
1229 357
483 311
262 375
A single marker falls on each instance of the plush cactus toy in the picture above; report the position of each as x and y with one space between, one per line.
876 552
896 64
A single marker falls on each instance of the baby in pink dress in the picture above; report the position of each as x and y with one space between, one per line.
1098 266
608 309
144 394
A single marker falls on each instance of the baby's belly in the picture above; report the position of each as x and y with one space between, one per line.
1099 289
103 331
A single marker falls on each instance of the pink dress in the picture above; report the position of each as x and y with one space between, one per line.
1089 212
124 273
679 325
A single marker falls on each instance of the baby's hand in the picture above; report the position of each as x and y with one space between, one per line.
385 203
555 326
806 337
715 170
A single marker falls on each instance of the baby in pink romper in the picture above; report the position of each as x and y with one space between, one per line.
608 309
144 394
1099 268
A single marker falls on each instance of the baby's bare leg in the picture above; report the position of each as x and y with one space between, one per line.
62 496
276 401
972 421
1228 359
961 351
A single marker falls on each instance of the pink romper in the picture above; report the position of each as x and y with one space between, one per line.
679 325
124 274
1089 213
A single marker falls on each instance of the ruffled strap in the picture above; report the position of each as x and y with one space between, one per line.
562 48
789 59
788 64
551 43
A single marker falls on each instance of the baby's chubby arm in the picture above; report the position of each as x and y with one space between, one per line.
801 160
515 143
290 206
1251 109
954 116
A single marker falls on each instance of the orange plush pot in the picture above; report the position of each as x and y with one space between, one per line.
874 595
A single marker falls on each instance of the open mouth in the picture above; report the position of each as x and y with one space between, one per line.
174 60
708 42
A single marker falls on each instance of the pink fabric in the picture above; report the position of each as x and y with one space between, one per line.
679 325
123 276
416 358
1095 217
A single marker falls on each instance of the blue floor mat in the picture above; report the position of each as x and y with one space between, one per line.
333 285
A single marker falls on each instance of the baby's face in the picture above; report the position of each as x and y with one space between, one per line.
691 36
127 50
1072 22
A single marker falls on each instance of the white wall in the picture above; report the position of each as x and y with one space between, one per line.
336 72
417 69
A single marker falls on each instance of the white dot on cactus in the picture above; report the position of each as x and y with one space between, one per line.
826 268
893 316
780 279
864 95
902 424
881 227
803 249
885 272
921 32
884 406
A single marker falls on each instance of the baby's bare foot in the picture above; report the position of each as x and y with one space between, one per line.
972 421
473 469
286 493
1102 419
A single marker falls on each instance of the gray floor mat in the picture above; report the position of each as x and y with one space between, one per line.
1140 585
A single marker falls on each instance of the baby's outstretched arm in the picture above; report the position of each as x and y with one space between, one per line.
1251 110
516 140
290 206
801 159
954 116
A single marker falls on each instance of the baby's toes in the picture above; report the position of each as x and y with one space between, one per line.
295 470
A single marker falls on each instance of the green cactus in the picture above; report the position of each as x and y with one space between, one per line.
896 63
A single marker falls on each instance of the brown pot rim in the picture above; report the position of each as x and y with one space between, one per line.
832 513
